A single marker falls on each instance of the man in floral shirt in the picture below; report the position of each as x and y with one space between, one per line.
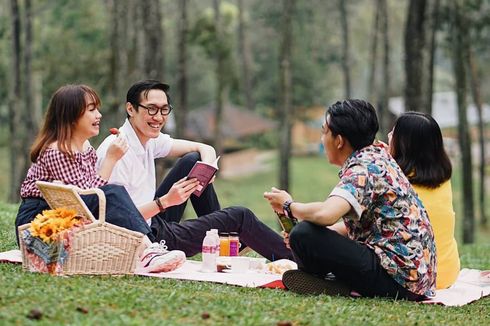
384 244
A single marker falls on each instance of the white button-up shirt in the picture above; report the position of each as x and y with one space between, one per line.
136 169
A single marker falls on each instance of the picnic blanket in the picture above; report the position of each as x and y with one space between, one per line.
471 285
191 271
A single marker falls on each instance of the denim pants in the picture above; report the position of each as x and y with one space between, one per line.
205 204
319 251
120 209
189 234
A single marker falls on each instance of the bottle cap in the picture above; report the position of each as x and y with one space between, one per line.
234 234
223 234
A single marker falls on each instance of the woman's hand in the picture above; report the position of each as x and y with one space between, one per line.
117 149
277 198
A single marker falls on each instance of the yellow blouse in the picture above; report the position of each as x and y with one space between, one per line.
439 205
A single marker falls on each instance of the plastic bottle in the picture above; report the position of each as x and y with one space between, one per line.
209 253
216 240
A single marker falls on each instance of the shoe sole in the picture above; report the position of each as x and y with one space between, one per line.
303 283
169 265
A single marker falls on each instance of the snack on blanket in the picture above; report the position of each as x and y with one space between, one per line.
281 266
114 131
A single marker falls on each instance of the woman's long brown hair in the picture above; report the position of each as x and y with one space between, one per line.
66 106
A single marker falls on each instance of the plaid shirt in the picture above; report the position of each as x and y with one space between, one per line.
54 165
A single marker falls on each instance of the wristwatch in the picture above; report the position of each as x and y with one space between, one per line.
286 207
160 205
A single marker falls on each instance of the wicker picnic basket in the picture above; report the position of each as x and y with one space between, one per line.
97 248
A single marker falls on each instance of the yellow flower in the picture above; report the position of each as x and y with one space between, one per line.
48 225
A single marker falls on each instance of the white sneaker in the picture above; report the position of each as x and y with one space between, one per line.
156 258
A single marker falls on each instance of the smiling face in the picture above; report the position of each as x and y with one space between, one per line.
88 124
145 125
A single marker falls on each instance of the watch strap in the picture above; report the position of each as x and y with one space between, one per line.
286 207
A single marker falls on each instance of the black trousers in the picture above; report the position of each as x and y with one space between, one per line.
205 204
189 234
320 251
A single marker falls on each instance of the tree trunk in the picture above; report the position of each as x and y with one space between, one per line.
345 47
414 59
15 107
218 139
118 63
244 48
384 112
477 99
286 94
459 33
434 24
371 86
154 38
135 35
182 109
28 125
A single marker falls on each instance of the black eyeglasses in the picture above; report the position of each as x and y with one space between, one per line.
153 109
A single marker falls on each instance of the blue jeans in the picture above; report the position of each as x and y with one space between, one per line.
120 209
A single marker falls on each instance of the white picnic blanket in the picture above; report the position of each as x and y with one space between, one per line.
11 256
191 271
471 285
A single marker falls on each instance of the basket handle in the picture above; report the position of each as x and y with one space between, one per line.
102 201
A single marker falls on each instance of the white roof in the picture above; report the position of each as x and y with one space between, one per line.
444 109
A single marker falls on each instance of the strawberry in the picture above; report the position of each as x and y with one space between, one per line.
114 131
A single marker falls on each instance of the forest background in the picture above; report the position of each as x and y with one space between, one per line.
275 58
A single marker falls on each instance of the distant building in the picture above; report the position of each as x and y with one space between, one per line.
306 132
444 109
238 124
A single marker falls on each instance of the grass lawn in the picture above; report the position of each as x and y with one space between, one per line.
105 300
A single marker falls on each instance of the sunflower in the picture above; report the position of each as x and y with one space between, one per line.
48 225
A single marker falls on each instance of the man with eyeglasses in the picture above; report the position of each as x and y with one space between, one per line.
147 108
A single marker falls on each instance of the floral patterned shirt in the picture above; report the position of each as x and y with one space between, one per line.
388 217
55 165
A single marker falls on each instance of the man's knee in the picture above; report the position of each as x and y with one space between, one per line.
190 158
301 231
306 235
242 213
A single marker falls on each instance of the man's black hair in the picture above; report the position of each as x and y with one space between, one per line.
355 120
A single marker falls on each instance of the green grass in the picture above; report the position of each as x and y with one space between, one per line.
105 300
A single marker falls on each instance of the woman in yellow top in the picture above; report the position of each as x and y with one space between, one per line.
417 146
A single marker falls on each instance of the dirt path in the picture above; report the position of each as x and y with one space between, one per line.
245 162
